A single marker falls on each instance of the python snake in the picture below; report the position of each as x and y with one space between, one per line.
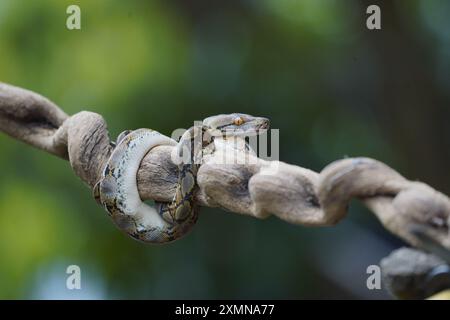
117 189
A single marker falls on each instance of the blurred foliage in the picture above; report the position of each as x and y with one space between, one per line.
332 87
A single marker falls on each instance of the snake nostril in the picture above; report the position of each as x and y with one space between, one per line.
265 124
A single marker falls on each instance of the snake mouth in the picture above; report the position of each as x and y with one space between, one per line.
251 127
260 125
255 127
263 125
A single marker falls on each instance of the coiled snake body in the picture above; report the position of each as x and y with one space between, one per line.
117 189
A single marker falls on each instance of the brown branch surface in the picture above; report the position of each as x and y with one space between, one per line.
413 274
250 186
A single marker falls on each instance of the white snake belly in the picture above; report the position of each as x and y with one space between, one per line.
117 190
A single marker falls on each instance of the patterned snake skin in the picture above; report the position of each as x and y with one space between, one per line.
117 189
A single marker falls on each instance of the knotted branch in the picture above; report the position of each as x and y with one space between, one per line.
250 186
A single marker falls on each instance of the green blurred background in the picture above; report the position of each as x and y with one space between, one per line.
331 86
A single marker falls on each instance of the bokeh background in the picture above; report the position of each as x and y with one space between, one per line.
331 86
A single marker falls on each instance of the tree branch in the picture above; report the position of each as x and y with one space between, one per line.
250 185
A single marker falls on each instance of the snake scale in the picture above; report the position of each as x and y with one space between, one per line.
117 189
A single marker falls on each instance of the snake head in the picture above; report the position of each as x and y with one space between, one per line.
237 124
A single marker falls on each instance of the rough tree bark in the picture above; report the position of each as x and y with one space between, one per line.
250 185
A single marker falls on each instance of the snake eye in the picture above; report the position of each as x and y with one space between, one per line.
238 121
